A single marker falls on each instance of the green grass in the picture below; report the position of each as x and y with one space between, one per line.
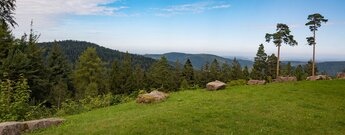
287 108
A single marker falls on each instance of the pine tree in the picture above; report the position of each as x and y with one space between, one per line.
260 65
178 74
160 75
139 78
299 73
35 70
188 72
6 42
87 77
126 74
7 8
236 70
59 70
226 72
215 70
308 68
271 67
246 74
115 78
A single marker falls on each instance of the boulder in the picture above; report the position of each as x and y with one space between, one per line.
12 128
319 77
341 75
154 96
16 128
256 82
216 85
285 79
43 123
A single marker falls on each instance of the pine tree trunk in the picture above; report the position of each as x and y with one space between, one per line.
278 60
313 67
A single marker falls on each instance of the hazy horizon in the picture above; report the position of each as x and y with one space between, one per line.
224 28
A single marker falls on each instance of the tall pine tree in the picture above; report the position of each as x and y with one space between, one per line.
260 65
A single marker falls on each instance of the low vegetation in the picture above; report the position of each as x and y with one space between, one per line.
307 107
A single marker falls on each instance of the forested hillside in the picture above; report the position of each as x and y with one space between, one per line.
198 60
73 49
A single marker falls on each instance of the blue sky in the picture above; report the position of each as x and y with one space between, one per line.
221 27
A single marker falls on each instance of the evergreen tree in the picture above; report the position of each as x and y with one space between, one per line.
282 35
215 70
126 75
59 70
308 68
178 74
260 64
35 70
236 70
160 75
87 77
288 69
246 74
188 72
6 42
204 75
226 72
314 23
7 8
139 78
271 67
115 78
299 73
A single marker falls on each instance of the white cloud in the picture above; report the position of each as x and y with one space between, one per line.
49 13
194 8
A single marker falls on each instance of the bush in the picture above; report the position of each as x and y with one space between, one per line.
237 82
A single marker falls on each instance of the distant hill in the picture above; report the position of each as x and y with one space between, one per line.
331 67
73 49
198 60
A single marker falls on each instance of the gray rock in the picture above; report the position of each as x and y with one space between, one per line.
215 85
341 75
319 77
12 128
154 96
16 128
256 82
285 79
42 123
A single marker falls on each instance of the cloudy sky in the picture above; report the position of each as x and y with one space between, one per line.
221 27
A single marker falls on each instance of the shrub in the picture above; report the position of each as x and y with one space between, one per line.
237 82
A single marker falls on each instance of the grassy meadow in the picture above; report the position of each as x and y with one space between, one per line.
307 107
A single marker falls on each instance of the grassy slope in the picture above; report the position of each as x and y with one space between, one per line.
290 108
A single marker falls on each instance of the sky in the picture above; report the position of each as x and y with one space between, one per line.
220 27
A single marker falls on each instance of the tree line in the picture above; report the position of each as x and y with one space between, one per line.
34 80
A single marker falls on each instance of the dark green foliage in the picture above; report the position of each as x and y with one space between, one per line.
309 67
215 70
59 70
73 49
299 73
188 72
14 99
198 60
271 66
7 8
88 75
226 72
139 81
238 82
282 35
246 74
160 76
287 69
236 70
260 64
126 75
115 78
315 21
6 42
